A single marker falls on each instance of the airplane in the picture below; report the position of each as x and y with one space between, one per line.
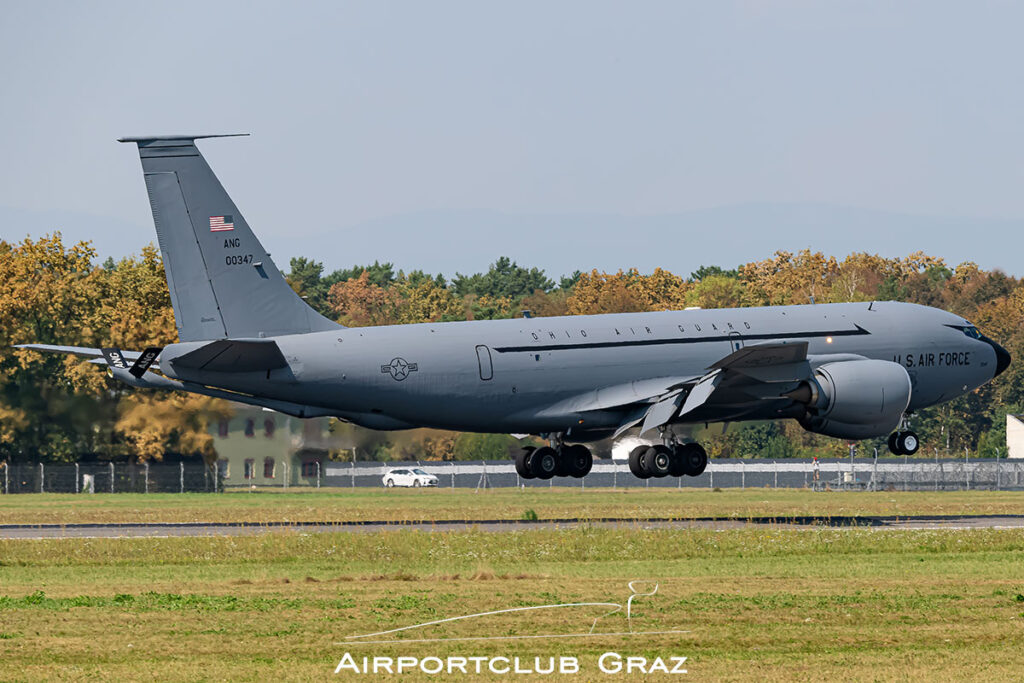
850 370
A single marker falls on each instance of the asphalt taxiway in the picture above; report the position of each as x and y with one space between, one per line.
157 530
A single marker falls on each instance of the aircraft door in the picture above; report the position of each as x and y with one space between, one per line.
735 341
483 359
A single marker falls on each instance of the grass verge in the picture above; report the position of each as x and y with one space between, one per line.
763 603
337 505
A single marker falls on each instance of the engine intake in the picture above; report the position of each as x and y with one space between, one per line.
855 399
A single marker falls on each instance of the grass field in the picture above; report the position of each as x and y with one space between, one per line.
763 603
335 505
758 604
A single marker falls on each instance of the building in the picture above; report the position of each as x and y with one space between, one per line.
1015 436
257 447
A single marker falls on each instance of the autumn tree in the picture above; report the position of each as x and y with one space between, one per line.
59 407
629 291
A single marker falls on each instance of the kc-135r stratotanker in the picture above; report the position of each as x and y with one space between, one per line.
850 371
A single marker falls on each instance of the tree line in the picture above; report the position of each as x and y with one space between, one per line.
58 408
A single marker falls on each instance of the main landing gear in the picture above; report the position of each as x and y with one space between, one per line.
677 460
904 441
558 460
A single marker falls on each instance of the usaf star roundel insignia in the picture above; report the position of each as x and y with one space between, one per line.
399 369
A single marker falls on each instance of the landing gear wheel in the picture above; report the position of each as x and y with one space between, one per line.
678 466
564 467
579 459
695 459
657 461
523 464
907 442
893 448
636 462
544 462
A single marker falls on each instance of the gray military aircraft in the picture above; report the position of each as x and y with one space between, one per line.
851 371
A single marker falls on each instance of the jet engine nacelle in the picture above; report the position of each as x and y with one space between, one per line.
857 399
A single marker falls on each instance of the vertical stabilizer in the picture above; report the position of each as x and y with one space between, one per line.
222 281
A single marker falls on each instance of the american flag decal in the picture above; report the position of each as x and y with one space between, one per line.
221 223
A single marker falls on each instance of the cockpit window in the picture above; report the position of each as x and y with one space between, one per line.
972 332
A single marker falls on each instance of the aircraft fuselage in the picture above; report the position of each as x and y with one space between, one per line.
523 375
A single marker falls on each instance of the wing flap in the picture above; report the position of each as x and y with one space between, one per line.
619 395
763 355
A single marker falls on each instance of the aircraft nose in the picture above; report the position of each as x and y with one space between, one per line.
1002 355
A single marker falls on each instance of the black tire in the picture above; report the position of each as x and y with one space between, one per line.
415 483
564 467
390 484
580 460
523 464
893 446
678 466
635 462
544 462
695 459
908 442
657 460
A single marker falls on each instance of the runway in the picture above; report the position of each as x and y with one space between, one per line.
162 530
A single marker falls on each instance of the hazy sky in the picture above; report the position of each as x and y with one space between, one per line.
376 114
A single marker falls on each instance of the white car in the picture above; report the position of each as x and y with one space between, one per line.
412 476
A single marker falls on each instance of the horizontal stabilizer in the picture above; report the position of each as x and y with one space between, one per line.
83 351
154 138
234 355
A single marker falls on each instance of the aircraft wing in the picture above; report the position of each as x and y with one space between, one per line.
749 380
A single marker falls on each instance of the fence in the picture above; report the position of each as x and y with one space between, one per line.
871 474
108 477
864 474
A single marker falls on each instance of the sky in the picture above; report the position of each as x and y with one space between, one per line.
567 135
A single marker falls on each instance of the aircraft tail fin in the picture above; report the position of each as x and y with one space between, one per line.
223 283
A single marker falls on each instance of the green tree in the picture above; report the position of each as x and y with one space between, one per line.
504 279
709 271
472 446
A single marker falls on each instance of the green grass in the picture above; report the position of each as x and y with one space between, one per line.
758 604
761 603
335 505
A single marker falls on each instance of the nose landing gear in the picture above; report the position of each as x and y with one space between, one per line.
904 441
